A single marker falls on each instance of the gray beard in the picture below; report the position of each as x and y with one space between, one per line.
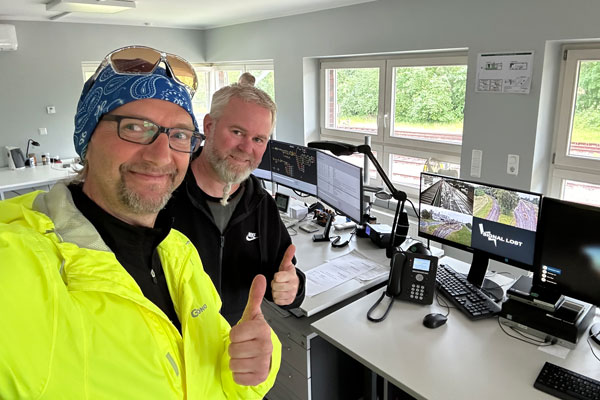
138 205
226 174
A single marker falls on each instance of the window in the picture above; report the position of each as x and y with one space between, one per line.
410 107
575 175
212 77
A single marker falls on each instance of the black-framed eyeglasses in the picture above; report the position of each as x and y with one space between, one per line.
141 131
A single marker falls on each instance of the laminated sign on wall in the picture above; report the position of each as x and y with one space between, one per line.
504 72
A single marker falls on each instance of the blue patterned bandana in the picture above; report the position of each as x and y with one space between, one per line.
111 90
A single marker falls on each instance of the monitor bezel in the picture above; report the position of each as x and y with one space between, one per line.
267 154
273 177
361 203
471 249
541 289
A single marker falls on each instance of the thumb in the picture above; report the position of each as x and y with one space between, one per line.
286 261
255 298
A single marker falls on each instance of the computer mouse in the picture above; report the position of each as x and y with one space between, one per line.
419 248
434 320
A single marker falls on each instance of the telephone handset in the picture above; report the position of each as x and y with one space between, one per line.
412 278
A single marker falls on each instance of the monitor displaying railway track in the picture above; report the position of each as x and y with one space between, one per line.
487 220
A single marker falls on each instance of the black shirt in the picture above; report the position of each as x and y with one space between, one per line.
134 248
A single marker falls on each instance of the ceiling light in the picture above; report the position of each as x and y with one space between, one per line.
93 6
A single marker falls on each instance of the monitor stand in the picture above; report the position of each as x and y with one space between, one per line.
595 332
476 276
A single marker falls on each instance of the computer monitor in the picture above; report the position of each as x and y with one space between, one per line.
294 166
492 222
568 251
339 184
263 171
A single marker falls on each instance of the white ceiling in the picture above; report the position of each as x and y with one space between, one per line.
192 14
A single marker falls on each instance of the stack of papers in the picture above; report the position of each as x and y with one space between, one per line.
353 265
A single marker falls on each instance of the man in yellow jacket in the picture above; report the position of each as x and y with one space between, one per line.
99 297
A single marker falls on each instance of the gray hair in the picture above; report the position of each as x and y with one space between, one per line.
245 91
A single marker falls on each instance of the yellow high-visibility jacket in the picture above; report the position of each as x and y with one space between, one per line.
75 325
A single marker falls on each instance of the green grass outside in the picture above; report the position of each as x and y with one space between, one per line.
584 134
507 219
463 236
455 127
482 206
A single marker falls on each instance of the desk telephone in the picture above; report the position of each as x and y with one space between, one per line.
412 278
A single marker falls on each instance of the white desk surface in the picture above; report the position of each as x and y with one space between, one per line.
459 360
312 254
32 177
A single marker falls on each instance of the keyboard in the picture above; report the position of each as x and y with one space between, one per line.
566 384
468 298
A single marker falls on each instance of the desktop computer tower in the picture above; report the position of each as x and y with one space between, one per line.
563 326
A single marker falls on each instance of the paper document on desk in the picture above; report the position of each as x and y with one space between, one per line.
337 271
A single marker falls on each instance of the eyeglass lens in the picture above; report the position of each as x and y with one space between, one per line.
144 132
143 60
135 60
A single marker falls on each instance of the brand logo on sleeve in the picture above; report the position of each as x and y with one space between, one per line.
198 311
251 236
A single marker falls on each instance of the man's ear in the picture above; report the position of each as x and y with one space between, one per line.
208 124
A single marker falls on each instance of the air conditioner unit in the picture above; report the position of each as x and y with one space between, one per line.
8 38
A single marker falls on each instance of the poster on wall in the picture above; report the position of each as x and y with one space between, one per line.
504 72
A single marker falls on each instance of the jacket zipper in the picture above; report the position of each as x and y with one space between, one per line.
153 275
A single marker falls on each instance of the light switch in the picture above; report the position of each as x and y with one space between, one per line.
512 165
476 156
51 110
43 131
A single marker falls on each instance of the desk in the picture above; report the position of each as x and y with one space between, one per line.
460 360
311 368
26 178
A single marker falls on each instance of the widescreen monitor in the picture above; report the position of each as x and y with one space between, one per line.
492 222
294 166
339 184
568 251
263 171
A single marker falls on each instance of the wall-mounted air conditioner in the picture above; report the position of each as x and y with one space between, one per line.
8 38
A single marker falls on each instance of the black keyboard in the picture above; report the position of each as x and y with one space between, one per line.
566 384
468 298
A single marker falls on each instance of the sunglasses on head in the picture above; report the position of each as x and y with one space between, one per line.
142 60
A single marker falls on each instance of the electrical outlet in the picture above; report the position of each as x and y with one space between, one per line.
51 110
512 165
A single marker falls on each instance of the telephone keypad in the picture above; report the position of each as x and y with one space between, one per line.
417 291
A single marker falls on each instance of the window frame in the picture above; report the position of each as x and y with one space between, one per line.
565 167
383 142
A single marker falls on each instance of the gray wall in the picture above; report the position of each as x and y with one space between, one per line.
46 70
497 124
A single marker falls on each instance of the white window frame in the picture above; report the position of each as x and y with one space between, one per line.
385 144
343 134
88 68
565 167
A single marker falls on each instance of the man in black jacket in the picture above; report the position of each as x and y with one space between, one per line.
233 222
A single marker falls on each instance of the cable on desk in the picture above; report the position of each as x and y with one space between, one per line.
374 306
300 194
589 341
529 340
446 305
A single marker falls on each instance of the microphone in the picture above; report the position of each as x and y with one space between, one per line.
337 148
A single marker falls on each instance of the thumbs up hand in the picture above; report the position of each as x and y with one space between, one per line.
251 347
285 282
